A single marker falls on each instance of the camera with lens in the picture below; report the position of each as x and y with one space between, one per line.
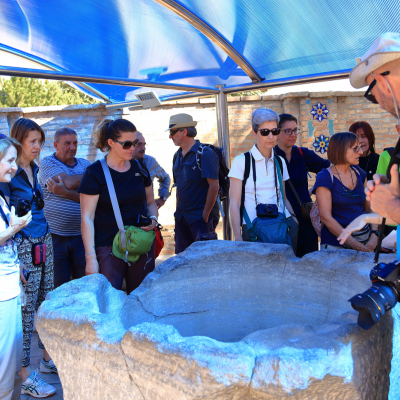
267 210
22 206
381 297
143 221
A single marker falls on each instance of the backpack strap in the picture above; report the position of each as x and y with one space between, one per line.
301 151
390 150
245 177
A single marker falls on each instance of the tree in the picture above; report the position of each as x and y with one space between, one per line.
27 92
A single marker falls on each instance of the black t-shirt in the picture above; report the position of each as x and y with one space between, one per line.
369 164
131 194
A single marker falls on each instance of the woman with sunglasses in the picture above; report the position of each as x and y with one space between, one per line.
300 162
24 193
133 188
341 197
368 159
264 191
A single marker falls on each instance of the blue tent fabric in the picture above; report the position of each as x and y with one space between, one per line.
143 39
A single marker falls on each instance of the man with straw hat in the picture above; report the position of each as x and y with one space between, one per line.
197 212
379 68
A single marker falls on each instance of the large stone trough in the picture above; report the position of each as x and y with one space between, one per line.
225 320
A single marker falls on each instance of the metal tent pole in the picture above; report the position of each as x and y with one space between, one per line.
223 141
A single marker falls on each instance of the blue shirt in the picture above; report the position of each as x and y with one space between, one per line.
298 167
21 188
345 208
191 183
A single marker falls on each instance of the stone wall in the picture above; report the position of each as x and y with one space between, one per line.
344 109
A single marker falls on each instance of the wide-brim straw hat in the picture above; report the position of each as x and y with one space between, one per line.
384 50
181 121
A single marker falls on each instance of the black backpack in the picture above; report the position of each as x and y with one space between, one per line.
223 170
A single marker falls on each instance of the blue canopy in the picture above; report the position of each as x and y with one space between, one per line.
194 43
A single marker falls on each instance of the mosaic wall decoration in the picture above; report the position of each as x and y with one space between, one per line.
319 112
321 144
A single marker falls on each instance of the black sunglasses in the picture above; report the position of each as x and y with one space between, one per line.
367 94
173 131
266 132
37 196
128 143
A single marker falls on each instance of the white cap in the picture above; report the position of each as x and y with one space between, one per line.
384 50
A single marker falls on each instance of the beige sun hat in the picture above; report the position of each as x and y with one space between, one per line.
181 121
384 50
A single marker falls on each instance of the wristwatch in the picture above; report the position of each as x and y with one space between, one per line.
376 233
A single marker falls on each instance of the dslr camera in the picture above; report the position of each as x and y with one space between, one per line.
142 221
381 297
22 206
267 210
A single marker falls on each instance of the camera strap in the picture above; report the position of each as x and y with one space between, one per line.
253 164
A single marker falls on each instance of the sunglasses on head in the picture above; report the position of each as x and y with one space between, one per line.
370 96
173 131
266 132
37 196
128 143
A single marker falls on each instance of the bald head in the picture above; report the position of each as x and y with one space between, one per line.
140 148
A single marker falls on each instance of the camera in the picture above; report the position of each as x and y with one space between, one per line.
22 206
381 297
143 221
267 210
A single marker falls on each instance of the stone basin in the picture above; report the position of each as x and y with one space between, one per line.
225 320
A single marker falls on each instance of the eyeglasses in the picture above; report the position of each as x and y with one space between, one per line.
37 196
141 145
266 132
356 149
289 132
128 143
173 131
367 94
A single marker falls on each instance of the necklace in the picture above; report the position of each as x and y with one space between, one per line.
347 192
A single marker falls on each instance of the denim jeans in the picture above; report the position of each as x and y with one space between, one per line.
10 349
69 258
186 234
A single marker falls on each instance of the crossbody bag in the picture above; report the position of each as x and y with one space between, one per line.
131 241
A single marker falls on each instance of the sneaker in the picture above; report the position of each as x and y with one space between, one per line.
48 367
36 387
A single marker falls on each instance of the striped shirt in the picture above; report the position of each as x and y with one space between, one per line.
63 215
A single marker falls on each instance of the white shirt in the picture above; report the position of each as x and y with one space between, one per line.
265 181
9 263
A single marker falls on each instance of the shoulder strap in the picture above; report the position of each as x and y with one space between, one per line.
301 151
114 201
245 177
301 204
3 215
390 150
280 183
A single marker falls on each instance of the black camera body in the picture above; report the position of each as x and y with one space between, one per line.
381 297
267 210
143 221
22 206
